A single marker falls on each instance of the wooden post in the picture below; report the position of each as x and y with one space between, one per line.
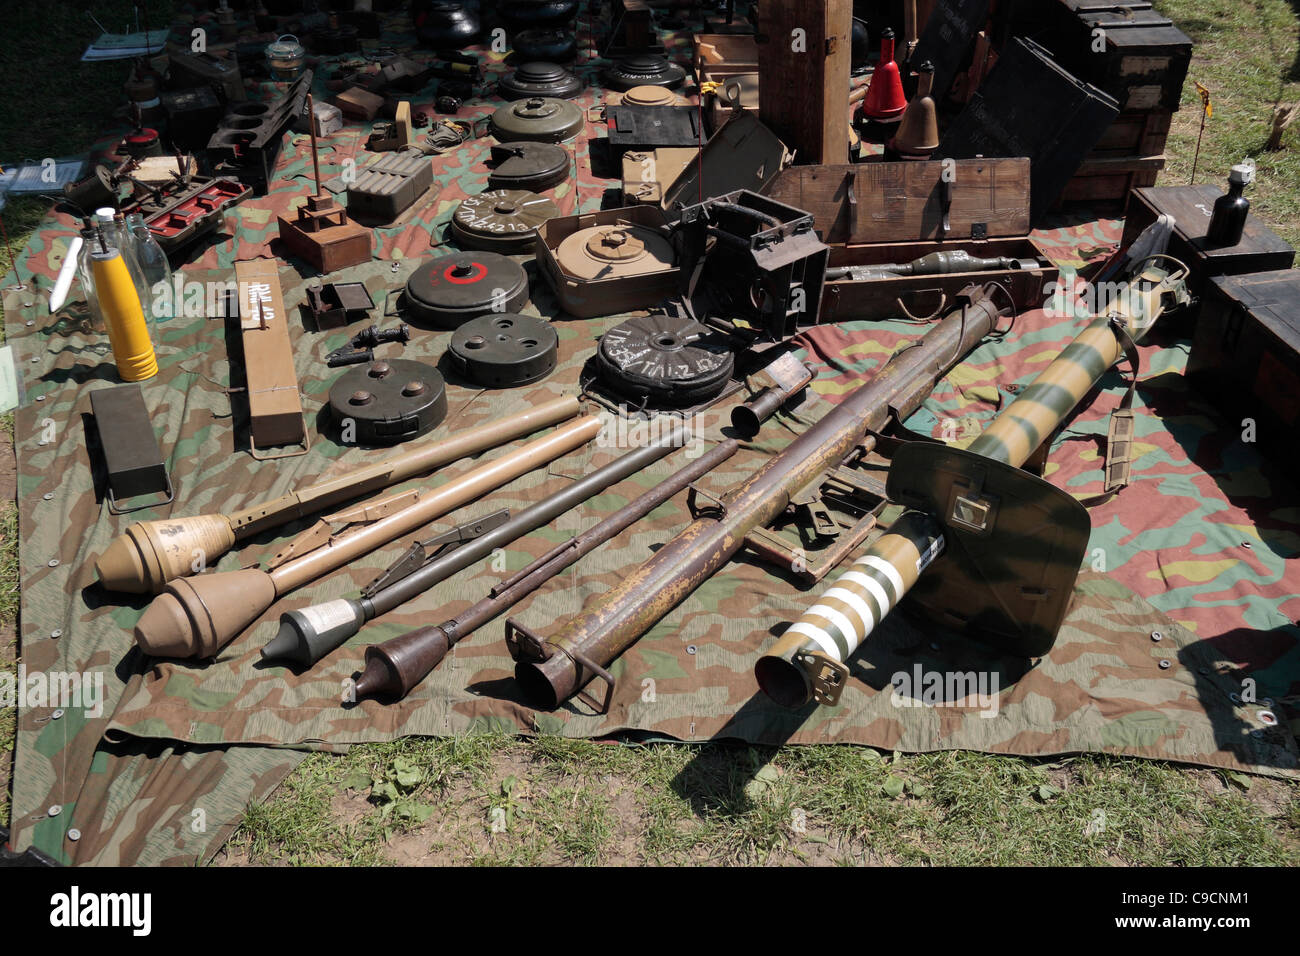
803 67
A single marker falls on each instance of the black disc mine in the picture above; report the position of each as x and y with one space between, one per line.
502 220
504 350
387 402
530 166
643 69
664 360
448 291
540 79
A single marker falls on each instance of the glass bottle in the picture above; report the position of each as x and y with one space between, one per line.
153 263
1230 211
113 226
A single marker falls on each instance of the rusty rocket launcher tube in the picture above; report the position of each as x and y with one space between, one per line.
150 553
550 670
196 617
397 666
308 634
808 661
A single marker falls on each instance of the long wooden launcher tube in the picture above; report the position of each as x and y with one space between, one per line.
550 670
196 617
150 553
802 664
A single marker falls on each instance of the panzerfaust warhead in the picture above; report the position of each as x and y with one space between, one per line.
1004 546
196 617
550 670
935 264
309 634
395 667
151 553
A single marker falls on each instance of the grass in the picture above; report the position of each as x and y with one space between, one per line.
558 801
495 799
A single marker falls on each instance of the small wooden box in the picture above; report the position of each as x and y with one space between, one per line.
1246 356
1260 249
877 213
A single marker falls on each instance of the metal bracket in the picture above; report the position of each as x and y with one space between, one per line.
113 508
826 677
327 529
421 553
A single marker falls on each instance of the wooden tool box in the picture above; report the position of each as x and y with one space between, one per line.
1246 356
1260 249
876 213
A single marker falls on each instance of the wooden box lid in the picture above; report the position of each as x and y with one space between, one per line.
906 202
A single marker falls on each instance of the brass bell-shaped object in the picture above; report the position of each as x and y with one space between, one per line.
918 132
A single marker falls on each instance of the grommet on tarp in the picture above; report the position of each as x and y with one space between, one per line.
56 715
53 563
1165 665
48 496
74 835
1267 717
1235 698
1157 636
56 633
690 648
55 810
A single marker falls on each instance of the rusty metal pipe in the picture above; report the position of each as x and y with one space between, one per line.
748 419
561 665
395 667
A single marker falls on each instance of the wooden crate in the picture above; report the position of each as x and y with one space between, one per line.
874 213
1260 249
1246 356
1146 57
1135 133
1106 183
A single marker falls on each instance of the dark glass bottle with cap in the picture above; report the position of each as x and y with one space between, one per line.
1230 211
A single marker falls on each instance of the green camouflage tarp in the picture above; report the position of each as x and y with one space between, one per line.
1195 549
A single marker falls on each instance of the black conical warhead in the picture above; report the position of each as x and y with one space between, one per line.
308 635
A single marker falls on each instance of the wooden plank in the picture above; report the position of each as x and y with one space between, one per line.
804 46
903 202
274 405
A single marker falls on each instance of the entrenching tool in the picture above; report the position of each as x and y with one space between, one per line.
196 617
1005 545
307 635
396 666
550 670
151 553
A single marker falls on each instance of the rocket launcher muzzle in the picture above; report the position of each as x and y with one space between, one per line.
151 553
1005 546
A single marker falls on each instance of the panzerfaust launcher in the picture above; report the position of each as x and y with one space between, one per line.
1003 546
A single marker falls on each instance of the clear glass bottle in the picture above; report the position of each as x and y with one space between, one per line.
154 265
89 246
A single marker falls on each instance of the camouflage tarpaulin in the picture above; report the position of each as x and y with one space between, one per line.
1195 549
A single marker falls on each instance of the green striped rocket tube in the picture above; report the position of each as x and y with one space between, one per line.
828 633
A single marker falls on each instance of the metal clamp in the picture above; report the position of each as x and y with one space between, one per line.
827 677
421 553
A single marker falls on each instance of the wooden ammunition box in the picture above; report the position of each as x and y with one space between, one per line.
274 405
877 213
1135 133
1130 50
1106 183
1260 249
1246 357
